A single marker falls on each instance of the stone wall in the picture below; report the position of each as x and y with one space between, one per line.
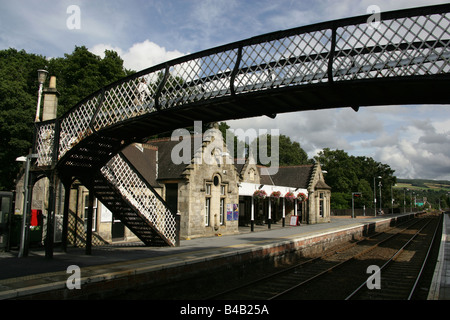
213 178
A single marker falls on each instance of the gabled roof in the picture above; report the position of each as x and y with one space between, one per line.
167 169
164 168
143 158
289 176
321 185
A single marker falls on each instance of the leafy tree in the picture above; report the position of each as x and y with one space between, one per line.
18 99
347 174
340 200
78 75
81 73
290 152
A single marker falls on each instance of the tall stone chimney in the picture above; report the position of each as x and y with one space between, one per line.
50 101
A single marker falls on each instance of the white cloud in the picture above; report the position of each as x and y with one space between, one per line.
146 33
413 147
420 152
141 55
146 54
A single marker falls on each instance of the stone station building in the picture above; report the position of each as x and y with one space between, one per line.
214 193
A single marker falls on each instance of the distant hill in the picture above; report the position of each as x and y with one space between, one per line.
424 184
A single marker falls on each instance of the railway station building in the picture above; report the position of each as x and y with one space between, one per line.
219 195
214 196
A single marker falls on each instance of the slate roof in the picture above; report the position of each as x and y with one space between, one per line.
164 168
167 170
144 160
289 176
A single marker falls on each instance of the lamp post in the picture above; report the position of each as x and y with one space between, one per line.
42 75
380 185
374 198
23 250
404 200
375 195
392 199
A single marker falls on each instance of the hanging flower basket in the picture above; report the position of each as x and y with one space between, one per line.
302 197
260 194
275 194
290 196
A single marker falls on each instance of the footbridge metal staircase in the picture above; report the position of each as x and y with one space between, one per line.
404 59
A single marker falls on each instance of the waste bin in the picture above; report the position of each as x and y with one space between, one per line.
34 233
6 205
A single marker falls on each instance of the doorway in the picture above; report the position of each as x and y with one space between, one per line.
118 230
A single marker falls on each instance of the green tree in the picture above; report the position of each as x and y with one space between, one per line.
340 200
18 99
78 75
81 73
347 174
290 152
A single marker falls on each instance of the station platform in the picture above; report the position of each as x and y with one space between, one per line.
35 277
440 287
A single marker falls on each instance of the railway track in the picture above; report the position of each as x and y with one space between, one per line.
387 265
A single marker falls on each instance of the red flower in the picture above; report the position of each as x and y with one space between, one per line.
290 196
275 194
302 196
260 194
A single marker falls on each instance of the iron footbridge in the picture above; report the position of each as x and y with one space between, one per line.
404 59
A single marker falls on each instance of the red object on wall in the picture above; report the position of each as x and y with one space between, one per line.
36 218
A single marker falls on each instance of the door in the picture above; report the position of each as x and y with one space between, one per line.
172 196
118 230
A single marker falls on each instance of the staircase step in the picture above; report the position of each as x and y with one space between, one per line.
110 195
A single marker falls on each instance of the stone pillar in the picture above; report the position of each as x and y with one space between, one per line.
50 101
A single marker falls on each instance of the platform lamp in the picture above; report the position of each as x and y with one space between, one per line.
42 75
23 250
375 195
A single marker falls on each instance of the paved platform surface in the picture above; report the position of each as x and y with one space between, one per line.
440 288
20 276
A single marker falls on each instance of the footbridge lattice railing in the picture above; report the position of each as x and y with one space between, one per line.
406 43
142 197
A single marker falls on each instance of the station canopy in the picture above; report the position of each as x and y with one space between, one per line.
248 189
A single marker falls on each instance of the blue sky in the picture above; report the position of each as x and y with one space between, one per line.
414 140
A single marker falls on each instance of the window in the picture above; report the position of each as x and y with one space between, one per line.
207 204
321 208
222 210
222 203
94 212
216 181
207 210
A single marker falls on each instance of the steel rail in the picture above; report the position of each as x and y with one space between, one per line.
312 260
330 64
425 261
390 260
342 262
